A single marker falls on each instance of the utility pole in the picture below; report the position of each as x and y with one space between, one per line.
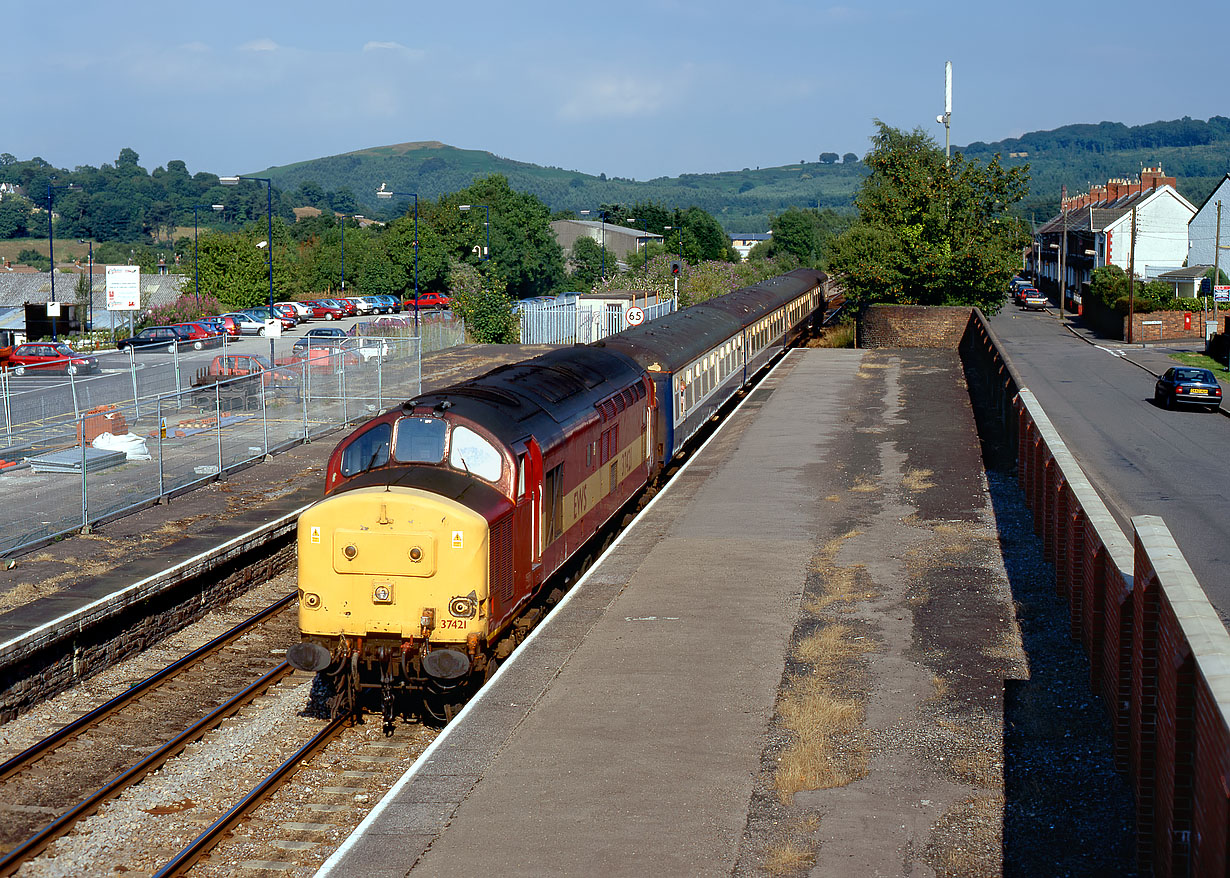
1216 263
1063 246
1131 281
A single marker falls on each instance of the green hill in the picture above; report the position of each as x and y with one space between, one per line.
741 200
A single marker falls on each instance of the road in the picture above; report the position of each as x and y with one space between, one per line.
1142 458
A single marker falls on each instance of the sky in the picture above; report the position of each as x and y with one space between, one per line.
630 89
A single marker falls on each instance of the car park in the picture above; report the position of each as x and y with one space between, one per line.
50 356
392 303
217 324
321 337
241 365
1187 385
200 336
155 338
379 306
361 305
262 314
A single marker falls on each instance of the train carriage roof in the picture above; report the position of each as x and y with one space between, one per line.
539 395
674 340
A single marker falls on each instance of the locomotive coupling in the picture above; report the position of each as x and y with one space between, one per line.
427 621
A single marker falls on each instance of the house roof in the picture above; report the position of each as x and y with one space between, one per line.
19 288
1191 272
1105 215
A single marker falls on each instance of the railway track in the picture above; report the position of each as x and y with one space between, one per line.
55 783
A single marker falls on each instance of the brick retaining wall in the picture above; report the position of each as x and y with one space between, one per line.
1159 653
912 326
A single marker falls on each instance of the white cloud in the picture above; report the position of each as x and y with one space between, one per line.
613 96
376 45
264 44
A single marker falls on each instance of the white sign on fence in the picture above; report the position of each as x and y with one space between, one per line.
635 316
123 287
1221 294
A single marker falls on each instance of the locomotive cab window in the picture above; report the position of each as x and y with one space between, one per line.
472 453
420 440
367 450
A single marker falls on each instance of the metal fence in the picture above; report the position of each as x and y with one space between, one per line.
185 422
571 320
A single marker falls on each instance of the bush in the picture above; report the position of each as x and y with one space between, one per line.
184 310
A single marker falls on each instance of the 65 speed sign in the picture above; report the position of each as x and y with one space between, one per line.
635 316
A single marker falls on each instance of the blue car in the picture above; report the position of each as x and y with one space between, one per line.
1187 385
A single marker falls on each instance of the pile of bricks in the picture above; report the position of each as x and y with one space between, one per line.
101 419
181 429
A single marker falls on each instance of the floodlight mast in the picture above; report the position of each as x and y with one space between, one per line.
946 117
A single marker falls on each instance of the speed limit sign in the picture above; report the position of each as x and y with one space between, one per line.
635 316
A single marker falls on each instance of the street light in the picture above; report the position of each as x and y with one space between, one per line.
389 193
51 247
196 265
464 208
234 181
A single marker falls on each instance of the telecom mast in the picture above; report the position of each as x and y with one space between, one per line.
947 115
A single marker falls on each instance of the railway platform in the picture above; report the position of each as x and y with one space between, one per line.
794 660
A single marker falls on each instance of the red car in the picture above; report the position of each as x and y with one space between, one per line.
50 357
429 301
327 309
286 312
200 336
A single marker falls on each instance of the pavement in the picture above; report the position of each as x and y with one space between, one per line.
794 661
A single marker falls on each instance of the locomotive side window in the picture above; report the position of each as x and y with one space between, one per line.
420 440
472 453
520 476
367 450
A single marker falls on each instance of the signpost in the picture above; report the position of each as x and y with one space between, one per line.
123 291
635 316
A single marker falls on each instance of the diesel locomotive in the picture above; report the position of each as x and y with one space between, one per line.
444 518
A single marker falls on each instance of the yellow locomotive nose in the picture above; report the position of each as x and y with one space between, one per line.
373 561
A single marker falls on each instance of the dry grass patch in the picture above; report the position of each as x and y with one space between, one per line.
917 480
842 585
870 365
830 549
939 687
829 647
862 486
833 498
788 858
978 768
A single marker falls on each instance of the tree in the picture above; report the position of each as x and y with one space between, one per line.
849 159
931 232
828 158
586 263
483 304
15 217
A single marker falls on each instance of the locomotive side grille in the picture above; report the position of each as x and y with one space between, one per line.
501 577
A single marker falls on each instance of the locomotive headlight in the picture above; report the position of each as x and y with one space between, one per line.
350 551
311 601
462 607
382 593
416 554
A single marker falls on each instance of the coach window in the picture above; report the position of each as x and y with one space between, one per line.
420 440
367 450
473 454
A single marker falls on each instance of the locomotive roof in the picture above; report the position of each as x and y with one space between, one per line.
538 395
674 340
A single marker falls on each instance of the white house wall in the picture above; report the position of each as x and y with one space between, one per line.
1161 234
1202 231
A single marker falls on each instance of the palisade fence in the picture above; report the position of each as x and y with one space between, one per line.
571 320
187 427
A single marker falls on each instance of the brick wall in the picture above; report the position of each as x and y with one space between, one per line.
1173 324
912 326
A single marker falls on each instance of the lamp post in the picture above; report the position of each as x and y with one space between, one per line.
90 241
51 246
389 193
234 181
464 208
602 215
196 265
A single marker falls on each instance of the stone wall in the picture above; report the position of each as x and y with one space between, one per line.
912 326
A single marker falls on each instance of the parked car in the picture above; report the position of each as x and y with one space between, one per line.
50 357
156 338
392 303
200 336
361 305
1032 300
246 323
345 304
301 309
217 324
286 312
1187 385
320 337
240 365
262 314
328 310
429 301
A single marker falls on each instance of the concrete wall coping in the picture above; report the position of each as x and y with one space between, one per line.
1199 622
1117 544
83 617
